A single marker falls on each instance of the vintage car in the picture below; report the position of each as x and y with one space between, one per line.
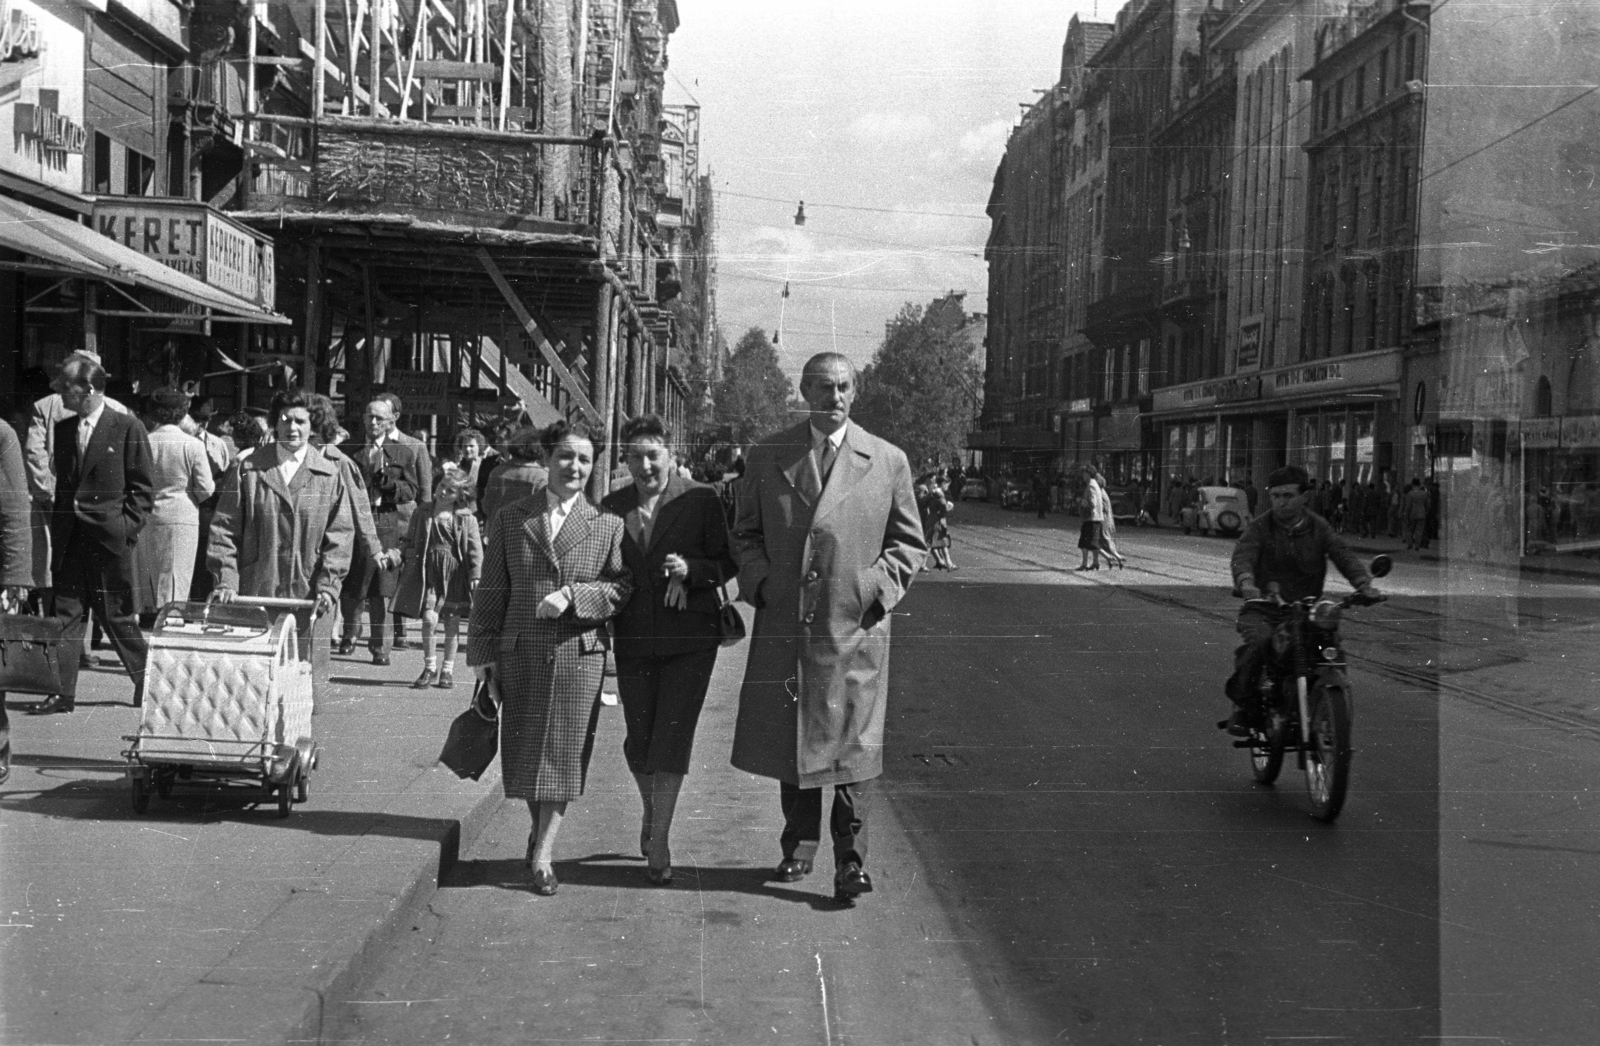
1127 507
1016 493
1219 510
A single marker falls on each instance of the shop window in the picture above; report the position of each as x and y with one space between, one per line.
1543 399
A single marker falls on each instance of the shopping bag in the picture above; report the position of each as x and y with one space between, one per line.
33 658
474 737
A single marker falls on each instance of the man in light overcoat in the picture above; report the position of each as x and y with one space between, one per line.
828 539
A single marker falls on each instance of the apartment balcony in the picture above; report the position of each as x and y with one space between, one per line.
1183 292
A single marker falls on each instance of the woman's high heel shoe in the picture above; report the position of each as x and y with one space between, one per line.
659 876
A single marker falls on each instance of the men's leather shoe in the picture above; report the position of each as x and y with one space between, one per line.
792 870
52 705
381 659
850 882
347 647
425 680
1238 724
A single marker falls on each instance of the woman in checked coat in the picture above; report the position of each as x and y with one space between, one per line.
553 574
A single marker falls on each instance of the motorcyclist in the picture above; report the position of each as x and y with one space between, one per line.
1288 546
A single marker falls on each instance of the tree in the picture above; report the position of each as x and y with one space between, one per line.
919 392
753 396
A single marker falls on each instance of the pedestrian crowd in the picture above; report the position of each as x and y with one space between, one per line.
500 549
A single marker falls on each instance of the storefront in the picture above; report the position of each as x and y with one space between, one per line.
153 321
1338 418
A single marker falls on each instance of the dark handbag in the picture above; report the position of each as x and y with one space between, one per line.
32 658
474 737
730 624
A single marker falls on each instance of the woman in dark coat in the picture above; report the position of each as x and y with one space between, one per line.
553 575
676 545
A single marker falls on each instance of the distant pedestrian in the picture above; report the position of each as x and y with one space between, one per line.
1415 508
1091 530
675 544
180 472
249 432
443 557
1251 496
1039 487
553 575
517 476
1108 522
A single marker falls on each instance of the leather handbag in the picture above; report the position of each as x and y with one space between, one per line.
32 656
730 624
474 737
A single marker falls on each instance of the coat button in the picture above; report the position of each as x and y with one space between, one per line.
811 576
810 618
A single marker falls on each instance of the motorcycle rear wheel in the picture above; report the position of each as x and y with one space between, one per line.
1267 741
1328 757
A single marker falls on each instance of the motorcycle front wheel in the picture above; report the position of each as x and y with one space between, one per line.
1328 757
1267 741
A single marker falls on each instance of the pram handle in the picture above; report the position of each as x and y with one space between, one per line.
283 602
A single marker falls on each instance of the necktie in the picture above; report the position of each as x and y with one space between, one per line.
85 430
829 454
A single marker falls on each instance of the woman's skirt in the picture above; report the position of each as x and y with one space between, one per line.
940 537
1089 535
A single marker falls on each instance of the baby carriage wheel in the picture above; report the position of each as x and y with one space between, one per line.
139 784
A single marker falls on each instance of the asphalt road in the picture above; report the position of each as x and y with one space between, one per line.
1068 851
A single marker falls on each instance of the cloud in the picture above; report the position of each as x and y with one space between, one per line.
891 126
987 140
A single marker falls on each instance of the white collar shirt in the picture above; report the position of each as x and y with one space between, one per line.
836 438
559 509
291 463
87 424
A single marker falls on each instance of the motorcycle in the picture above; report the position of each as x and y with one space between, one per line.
1305 704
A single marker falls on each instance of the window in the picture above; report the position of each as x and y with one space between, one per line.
1375 207
1372 311
1338 101
121 171
1383 74
1360 102
1411 57
102 164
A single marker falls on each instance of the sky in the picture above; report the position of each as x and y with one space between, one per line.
892 104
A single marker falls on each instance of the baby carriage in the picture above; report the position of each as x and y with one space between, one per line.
227 700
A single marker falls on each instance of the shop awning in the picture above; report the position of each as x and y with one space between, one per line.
63 245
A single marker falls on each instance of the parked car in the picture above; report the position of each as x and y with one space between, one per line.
1016 493
1126 507
1220 510
974 488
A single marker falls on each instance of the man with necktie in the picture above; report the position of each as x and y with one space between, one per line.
828 539
103 495
393 474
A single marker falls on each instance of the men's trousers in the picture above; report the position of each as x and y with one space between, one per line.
802 822
1255 626
88 577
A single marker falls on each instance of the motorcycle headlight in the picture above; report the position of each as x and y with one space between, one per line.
1325 614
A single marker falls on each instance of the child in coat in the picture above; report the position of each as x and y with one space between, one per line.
443 561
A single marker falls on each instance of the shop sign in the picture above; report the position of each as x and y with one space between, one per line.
1541 433
419 393
1081 406
195 240
1381 368
1249 345
48 129
1204 393
1580 432
20 35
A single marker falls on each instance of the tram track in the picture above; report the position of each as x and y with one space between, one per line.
1038 544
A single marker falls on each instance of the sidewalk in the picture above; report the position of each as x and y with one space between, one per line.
207 919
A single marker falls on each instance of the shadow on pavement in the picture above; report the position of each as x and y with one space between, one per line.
107 799
622 872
